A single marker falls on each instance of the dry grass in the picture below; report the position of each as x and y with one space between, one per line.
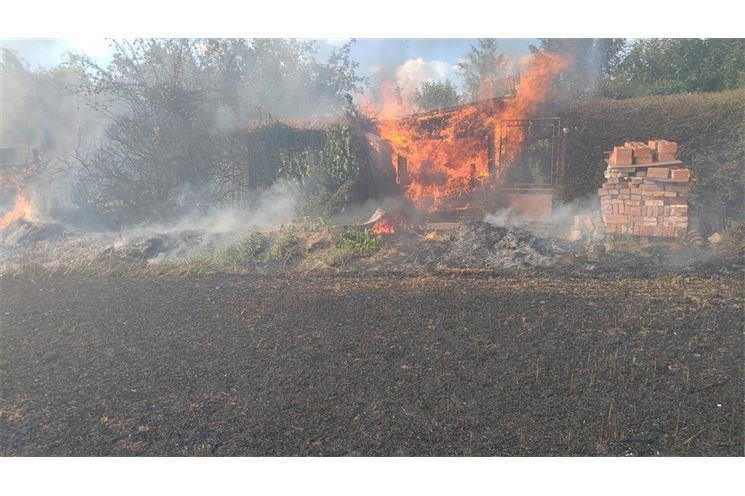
295 247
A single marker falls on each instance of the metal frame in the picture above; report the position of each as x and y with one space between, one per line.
557 148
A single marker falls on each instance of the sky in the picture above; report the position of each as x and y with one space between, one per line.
408 62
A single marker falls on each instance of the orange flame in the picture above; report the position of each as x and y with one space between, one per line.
446 152
21 209
384 226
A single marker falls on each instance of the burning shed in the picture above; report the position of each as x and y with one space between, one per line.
456 162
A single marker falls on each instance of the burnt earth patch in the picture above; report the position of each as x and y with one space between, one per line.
477 364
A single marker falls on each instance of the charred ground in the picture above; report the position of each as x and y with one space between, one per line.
352 364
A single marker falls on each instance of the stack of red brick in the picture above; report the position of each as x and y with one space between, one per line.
646 190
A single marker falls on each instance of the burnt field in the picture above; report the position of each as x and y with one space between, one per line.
446 364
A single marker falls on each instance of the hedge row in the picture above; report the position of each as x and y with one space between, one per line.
709 128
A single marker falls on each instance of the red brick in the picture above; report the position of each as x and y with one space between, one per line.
680 174
681 188
621 156
665 146
650 186
617 219
658 172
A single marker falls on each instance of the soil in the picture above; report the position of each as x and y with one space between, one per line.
454 363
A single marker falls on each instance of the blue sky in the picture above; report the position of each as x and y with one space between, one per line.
408 61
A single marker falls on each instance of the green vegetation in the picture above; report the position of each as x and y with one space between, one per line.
619 68
362 242
249 249
432 95
733 239
338 162
667 66
484 71
283 248
188 121
328 175
353 243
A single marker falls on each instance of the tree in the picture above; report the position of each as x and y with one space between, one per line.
436 94
37 107
589 63
178 109
665 66
484 71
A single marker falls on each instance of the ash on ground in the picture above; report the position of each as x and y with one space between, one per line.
474 245
485 246
49 243
478 246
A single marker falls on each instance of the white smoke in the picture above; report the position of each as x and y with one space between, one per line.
562 215
273 207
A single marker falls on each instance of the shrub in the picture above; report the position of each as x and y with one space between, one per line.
283 248
247 250
337 159
361 242
733 240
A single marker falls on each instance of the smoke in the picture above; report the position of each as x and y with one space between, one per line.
273 206
41 112
39 109
562 216
410 75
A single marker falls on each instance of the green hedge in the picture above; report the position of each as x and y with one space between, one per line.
709 129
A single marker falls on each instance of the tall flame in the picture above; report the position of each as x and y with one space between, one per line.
446 152
13 179
21 209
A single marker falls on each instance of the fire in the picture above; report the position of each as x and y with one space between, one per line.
21 209
384 226
445 153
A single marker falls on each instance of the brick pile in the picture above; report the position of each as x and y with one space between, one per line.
646 190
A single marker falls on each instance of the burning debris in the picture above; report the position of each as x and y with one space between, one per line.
21 209
15 175
24 233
